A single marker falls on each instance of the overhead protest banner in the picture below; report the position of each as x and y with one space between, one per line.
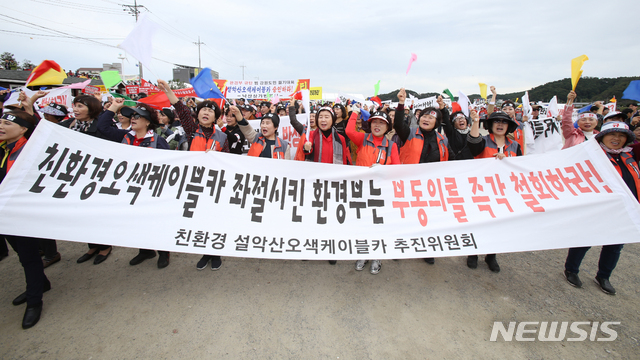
259 89
231 205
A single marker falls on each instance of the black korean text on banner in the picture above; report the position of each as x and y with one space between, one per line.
232 205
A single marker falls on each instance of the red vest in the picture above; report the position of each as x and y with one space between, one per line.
412 149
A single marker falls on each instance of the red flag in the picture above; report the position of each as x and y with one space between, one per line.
156 101
376 100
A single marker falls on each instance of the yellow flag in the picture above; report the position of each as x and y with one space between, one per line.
483 90
613 99
517 99
576 69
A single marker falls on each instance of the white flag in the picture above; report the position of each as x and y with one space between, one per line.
139 41
463 101
526 107
553 106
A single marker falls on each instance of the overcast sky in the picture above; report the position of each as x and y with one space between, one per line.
344 46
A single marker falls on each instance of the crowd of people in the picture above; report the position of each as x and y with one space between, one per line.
337 133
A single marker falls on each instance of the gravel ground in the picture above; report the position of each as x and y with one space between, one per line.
271 309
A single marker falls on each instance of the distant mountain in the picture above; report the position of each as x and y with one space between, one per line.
589 89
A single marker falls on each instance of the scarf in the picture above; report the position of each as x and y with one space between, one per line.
81 126
625 149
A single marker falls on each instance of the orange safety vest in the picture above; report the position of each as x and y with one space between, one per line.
412 149
490 147
201 143
11 157
278 152
631 165
369 154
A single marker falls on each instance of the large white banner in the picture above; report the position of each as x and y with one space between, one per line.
70 186
263 89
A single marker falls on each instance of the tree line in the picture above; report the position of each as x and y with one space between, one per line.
589 89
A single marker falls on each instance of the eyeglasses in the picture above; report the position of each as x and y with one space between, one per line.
136 116
500 121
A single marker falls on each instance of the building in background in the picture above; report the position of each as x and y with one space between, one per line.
185 73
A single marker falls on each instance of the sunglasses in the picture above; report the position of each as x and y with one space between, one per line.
501 121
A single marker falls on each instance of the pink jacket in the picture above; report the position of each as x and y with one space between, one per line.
572 135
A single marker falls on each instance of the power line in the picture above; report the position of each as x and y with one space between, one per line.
187 37
60 36
58 31
58 24
78 6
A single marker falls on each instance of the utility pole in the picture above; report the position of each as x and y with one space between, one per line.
133 10
242 66
122 69
199 62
